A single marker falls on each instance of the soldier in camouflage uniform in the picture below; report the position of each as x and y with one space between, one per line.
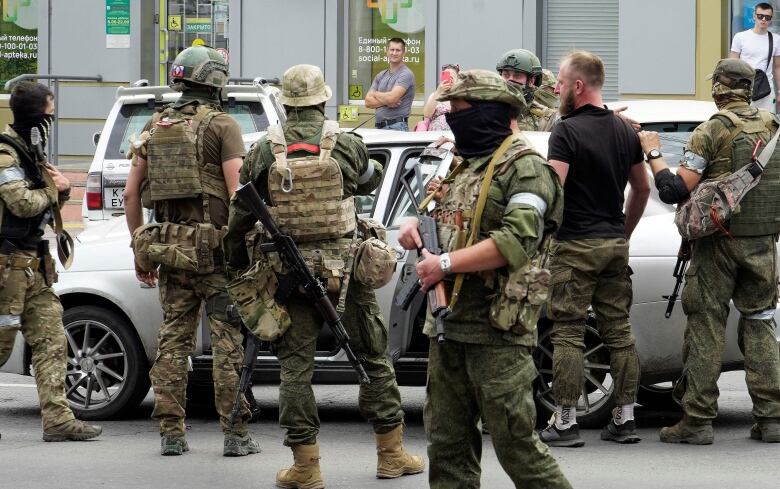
484 368
28 189
546 95
739 266
595 154
304 94
186 163
522 67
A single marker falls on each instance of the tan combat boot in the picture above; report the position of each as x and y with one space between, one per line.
688 431
73 430
392 460
766 431
305 472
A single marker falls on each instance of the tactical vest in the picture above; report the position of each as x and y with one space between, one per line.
15 227
176 165
307 193
455 213
758 212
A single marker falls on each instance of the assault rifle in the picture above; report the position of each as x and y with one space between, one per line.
247 367
40 158
299 275
683 256
437 296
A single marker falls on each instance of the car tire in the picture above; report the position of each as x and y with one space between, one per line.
594 407
657 397
107 371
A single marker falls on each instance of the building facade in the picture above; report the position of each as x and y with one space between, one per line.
648 52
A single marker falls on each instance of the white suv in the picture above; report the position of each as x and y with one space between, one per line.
254 107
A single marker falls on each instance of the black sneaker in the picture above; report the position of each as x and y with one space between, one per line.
570 437
621 433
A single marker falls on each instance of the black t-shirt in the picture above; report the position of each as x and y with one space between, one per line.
600 149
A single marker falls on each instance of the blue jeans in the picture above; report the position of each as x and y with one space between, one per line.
398 126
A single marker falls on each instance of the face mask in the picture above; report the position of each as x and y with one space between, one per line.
724 95
480 129
42 121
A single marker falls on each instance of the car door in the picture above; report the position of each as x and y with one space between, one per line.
416 170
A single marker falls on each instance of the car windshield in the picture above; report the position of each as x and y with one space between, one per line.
133 118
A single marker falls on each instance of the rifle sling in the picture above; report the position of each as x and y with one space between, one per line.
64 240
477 220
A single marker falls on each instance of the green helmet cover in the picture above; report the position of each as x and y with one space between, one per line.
202 65
524 61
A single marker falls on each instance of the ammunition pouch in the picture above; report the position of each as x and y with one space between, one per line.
177 246
327 260
253 295
375 260
16 271
519 297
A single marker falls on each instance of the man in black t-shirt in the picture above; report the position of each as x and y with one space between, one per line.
595 154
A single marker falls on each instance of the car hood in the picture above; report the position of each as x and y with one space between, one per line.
105 246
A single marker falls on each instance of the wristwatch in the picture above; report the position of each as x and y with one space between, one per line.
444 263
653 154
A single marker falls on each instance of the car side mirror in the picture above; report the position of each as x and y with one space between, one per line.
96 138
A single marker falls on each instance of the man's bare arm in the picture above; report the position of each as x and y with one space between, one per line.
132 195
637 196
231 170
561 168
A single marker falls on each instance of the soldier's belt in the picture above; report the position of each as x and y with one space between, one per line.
19 262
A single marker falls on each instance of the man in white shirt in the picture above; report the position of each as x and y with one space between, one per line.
752 46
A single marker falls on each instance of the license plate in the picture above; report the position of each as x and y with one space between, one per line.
112 198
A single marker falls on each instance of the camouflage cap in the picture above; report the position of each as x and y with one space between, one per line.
304 85
733 69
484 85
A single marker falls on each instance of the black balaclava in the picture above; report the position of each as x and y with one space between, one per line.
480 129
25 121
194 93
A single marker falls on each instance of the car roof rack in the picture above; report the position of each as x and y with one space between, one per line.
157 92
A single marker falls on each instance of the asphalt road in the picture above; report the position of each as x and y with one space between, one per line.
126 456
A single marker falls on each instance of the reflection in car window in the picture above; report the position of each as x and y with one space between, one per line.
402 207
137 119
673 147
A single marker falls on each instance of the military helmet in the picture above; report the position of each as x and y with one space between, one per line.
484 85
733 73
524 61
304 85
202 65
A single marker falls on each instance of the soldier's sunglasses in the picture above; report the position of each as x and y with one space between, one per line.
764 17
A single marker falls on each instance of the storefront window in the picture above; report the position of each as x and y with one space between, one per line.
18 39
371 25
742 16
197 22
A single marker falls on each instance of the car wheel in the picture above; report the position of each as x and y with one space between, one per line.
657 397
594 407
107 372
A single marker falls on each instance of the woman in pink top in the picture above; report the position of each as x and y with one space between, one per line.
434 110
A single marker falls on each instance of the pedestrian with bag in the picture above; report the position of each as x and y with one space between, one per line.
759 48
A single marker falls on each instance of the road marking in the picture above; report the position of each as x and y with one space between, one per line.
18 385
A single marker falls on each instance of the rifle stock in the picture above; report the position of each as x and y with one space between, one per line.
300 273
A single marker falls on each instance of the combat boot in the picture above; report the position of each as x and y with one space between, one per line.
239 446
392 460
688 431
766 431
173 445
305 472
73 430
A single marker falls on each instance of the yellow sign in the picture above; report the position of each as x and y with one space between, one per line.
348 113
198 42
174 22
356 92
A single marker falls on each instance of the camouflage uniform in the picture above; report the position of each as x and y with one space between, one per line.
27 302
304 92
538 117
481 370
546 95
741 267
198 162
